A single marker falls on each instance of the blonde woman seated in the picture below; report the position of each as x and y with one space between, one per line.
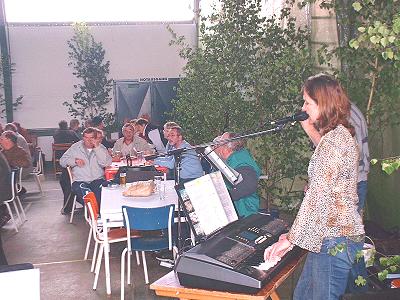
131 143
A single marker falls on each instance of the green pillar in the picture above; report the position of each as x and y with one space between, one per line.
6 63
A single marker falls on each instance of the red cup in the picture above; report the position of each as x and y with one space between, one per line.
110 173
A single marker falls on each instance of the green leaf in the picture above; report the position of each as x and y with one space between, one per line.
383 261
384 41
354 44
361 29
374 161
396 25
387 168
371 30
341 247
359 255
357 6
375 39
391 39
388 54
333 251
382 275
360 281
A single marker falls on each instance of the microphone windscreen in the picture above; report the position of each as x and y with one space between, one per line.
301 116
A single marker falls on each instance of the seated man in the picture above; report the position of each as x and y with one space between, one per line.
244 194
166 129
5 188
190 163
130 143
74 126
88 158
65 135
152 134
15 155
21 142
20 139
98 123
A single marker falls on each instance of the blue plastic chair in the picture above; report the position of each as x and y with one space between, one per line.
145 219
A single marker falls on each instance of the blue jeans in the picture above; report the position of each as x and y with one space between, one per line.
359 268
362 188
80 188
324 275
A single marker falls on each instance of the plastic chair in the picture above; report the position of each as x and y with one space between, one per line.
144 219
114 235
38 170
13 200
90 197
71 180
18 189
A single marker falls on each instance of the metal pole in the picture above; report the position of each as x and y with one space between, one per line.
6 63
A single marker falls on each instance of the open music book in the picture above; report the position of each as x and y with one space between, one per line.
207 204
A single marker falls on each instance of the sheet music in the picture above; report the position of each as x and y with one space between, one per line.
224 196
207 203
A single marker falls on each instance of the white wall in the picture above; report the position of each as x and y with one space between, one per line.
42 75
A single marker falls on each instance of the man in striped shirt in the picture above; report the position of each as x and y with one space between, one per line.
360 125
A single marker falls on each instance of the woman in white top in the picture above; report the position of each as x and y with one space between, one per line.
131 143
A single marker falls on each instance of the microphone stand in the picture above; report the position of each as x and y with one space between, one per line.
177 170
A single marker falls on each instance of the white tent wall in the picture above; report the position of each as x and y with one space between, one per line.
43 77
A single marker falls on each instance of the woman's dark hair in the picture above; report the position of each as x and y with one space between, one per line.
333 103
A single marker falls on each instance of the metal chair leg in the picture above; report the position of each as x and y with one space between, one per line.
11 215
146 275
98 265
21 207
94 256
123 273
73 210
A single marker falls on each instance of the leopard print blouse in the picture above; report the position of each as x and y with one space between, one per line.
329 208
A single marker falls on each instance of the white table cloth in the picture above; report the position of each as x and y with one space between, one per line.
112 201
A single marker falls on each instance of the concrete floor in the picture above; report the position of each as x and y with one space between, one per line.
57 247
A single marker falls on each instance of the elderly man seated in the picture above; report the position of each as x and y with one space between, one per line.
190 163
5 188
15 155
21 141
88 158
131 143
244 194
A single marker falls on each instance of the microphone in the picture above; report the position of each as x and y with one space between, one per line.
299 116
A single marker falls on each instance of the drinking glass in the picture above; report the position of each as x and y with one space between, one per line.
159 186
122 178
140 157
